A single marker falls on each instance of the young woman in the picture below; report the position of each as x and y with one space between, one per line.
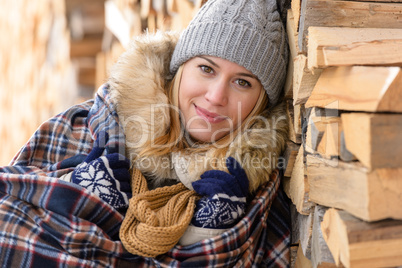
202 109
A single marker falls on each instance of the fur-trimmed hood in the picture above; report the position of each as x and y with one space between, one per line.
139 82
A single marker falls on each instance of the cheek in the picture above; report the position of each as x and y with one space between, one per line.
186 86
187 92
184 93
247 105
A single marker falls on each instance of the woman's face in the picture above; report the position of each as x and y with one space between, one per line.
215 96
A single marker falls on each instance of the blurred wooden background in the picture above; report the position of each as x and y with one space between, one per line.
55 53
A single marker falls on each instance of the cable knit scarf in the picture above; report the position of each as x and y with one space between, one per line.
156 219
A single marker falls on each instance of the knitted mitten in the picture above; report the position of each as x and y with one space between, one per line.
107 176
224 197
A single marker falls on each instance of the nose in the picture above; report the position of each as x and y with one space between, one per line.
217 93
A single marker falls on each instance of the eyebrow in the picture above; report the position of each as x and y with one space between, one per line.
209 60
216 65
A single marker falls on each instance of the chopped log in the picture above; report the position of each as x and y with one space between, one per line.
302 226
133 17
320 254
294 51
304 80
318 122
293 112
288 89
383 1
375 139
356 243
296 187
86 18
106 59
171 6
324 137
116 23
146 8
151 22
345 154
100 75
77 3
293 254
301 260
334 13
314 135
330 144
307 234
86 68
290 157
87 47
337 46
292 35
186 10
369 195
330 137
295 8
297 122
359 88
291 38
158 5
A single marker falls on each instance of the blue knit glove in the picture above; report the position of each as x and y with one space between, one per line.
224 197
107 176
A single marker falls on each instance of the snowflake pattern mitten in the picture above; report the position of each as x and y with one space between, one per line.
107 176
224 197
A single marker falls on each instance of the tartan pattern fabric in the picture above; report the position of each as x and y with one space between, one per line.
69 134
45 221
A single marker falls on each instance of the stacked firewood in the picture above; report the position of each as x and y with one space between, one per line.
36 75
86 22
344 172
56 53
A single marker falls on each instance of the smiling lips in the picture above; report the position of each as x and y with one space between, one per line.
208 116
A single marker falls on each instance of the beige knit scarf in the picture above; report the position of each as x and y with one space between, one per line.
156 219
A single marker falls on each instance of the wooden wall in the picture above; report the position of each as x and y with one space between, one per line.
56 53
36 75
344 91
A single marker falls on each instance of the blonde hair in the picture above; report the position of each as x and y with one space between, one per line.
174 135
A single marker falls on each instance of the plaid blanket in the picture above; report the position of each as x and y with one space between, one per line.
45 221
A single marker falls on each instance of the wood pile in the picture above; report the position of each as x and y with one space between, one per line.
36 76
344 172
56 53
86 21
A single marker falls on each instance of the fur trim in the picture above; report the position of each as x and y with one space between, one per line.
259 148
139 79
138 82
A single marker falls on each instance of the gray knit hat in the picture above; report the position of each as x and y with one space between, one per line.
247 32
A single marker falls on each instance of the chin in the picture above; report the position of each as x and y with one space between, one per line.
200 137
205 137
